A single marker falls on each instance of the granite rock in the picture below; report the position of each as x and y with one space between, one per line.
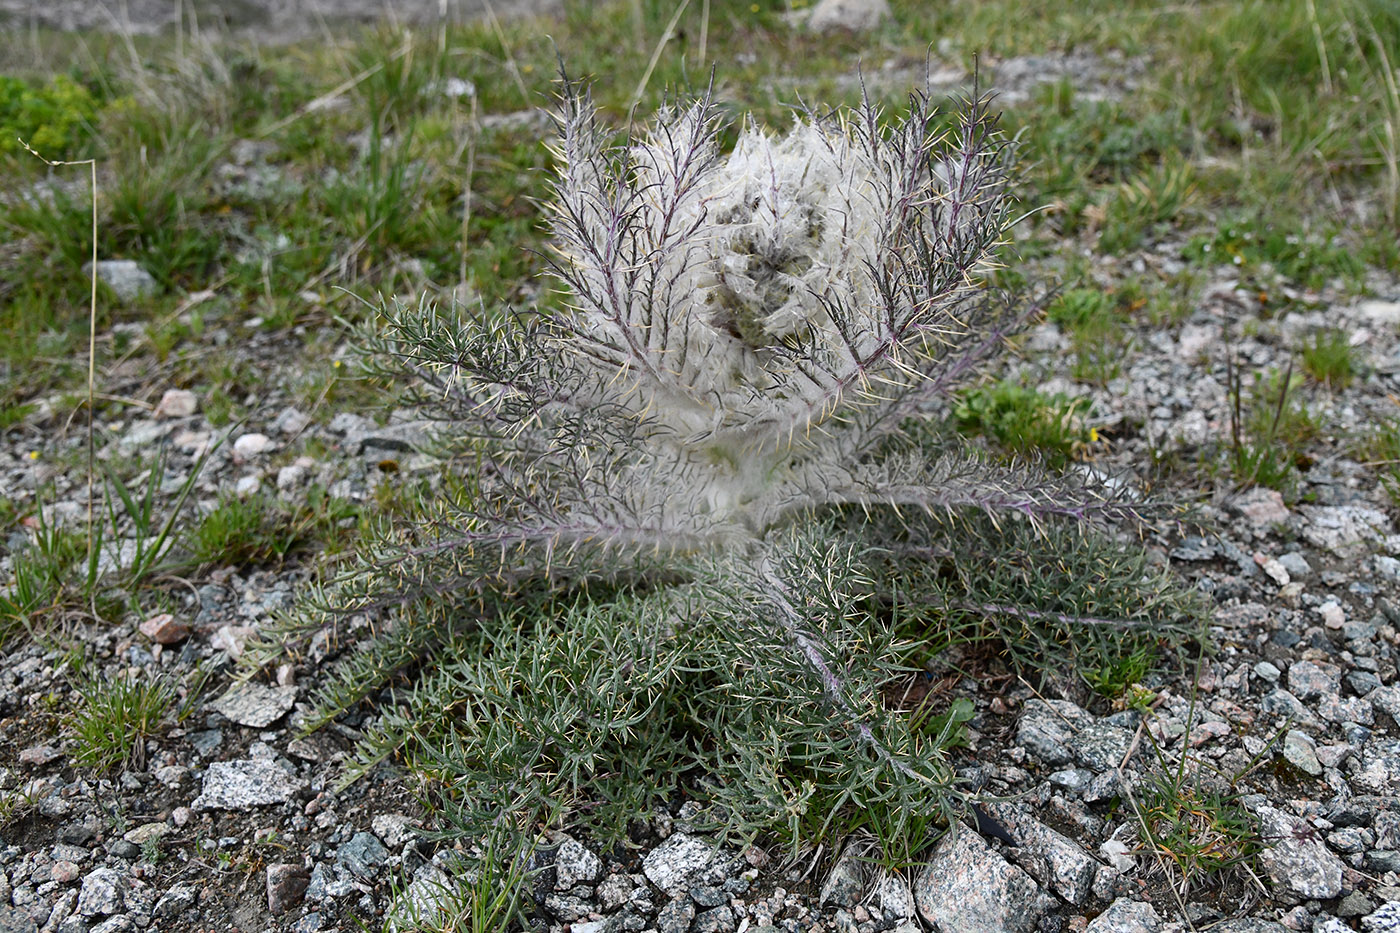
969 888
1126 915
239 785
574 864
674 865
1295 858
255 705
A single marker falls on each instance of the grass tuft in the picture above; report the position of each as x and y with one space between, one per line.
1026 421
115 718
1327 357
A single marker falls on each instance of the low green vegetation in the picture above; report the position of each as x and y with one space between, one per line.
1028 422
1199 833
1118 674
115 718
259 529
53 118
1192 819
41 574
1327 358
1096 323
1380 448
1254 245
1270 428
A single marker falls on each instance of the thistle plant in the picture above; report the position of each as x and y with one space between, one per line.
703 523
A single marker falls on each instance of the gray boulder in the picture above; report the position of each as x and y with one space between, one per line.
968 888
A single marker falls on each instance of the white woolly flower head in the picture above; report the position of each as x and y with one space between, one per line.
755 297
787 214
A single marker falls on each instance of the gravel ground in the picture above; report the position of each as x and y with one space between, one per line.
231 821
268 20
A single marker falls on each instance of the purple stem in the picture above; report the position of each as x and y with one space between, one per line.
831 684
1017 612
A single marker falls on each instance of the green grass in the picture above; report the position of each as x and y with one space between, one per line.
41 574
1299 107
1327 358
1251 243
1270 429
1026 421
1379 447
261 530
1192 819
96 569
1150 201
485 901
114 719
1200 833
1096 323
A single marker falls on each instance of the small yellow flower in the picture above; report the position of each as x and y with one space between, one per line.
753 8
34 455
1093 435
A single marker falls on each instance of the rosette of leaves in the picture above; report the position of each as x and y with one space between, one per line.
703 525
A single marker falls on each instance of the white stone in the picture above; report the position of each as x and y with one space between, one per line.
194 443
143 433
146 832
239 785
672 865
255 705
1333 616
176 403
1295 858
249 446
594 926
292 421
970 888
394 828
1344 529
101 893
1118 854
172 776
1275 571
125 277
231 638
894 896
574 865
1301 752
852 15
1385 919
458 87
1196 339
1126 915
291 476
1380 312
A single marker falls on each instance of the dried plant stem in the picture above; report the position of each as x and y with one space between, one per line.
656 56
511 64
92 347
